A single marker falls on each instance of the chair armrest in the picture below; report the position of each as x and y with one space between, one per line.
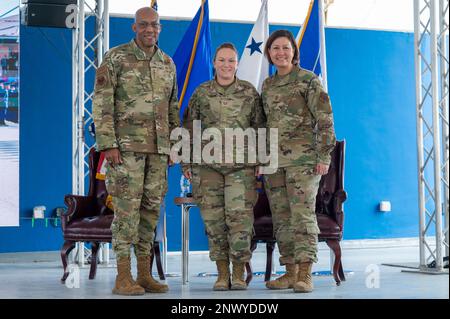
340 196
77 207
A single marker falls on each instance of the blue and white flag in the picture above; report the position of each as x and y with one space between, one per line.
253 66
311 42
193 57
154 4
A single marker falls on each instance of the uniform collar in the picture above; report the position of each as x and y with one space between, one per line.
280 80
141 55
233 88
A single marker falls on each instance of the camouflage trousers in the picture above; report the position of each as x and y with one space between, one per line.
137 188
226 197
292 197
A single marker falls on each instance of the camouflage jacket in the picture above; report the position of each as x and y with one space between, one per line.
135 103
236 107
299 107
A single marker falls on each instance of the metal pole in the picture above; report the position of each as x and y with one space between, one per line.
323 51
105 19
80 119
419 130
186 220
436 136
99 26
183 244
332 257
102 25
164 242
444 68
105 26
79 141
75 108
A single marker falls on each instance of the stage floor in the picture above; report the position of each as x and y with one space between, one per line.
37 275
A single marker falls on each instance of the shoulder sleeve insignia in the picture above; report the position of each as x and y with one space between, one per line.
102 76
324 97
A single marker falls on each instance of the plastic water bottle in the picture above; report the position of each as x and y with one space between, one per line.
185 186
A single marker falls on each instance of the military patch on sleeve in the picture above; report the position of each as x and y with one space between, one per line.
324 97
101 80
102 77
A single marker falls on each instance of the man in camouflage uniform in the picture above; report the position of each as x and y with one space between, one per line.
298 106
135 107
224 191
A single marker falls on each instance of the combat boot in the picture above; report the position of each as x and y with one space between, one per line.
237 278
286 281
125 285
145 278
223 275
304 278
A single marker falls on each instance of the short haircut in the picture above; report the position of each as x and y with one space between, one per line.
282 34
145 9
226 45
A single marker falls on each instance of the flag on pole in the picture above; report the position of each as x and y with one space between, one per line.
311 42
154 4
193 57
253 66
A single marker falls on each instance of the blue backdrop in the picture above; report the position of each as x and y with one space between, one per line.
371 85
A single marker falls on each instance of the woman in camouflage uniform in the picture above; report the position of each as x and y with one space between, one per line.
225 192
295 102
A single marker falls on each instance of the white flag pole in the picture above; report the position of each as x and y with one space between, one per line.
323 51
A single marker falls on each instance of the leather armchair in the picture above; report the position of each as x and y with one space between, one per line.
88 219
330 215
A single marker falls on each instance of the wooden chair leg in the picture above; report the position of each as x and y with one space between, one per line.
253 245
248 265
341 271
270 246
94 249
65 251
157 254
334 245
248 268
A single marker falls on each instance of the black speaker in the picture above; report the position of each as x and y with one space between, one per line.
49 14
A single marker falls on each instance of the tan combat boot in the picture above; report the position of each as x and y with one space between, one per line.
286 281
237 278
125 285
145 279
223 275
304 278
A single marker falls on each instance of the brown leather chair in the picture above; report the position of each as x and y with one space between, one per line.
88 219
330 216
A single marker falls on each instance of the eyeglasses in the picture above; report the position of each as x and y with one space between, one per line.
153 25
